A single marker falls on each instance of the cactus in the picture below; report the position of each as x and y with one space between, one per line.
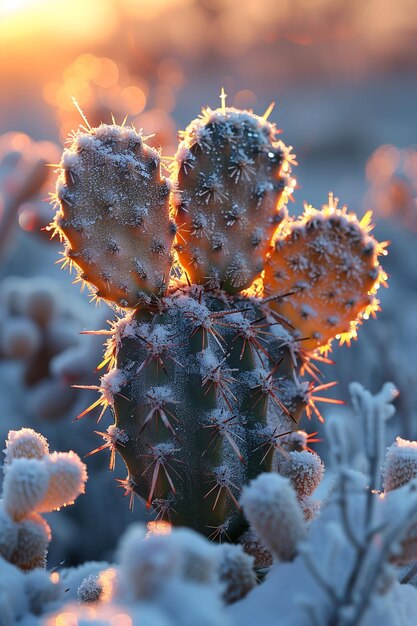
207 365
35 482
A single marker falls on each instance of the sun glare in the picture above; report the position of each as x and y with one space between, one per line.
8 7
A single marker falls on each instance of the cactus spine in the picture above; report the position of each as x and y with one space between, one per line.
206 373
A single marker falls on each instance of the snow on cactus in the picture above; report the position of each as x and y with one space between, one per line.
209 369
304 469
90 590
400 464
114 214
271 508
325 265
35 481
234 178
236 572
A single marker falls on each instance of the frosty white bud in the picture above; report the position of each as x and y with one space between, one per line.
67 475
400 464
304 469
24 487
34 535
25 443
198 557
145 564
270 505
235 572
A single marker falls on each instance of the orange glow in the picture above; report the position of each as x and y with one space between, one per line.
54 578
107 580
158 527
133 100
121 619
245 99
26 16
66 619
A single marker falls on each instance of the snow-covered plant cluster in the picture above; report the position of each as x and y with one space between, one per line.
24 180
35 481
345 571
351 566
42 354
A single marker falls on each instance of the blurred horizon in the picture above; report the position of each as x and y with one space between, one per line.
342 74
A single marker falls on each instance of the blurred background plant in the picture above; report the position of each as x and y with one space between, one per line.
343 76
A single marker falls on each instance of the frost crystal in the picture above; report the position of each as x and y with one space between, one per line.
90 589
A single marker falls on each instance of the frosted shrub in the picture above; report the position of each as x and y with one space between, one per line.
343 574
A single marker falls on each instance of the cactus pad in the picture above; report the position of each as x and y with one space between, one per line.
328 265
233 180
114 214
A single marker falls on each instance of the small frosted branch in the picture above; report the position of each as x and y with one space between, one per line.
373 412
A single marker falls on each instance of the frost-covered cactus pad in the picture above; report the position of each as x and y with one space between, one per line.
114 214
327 263
207 372
234 179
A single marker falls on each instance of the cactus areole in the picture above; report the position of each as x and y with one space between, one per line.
226 304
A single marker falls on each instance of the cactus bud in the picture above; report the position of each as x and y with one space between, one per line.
400 464
270 505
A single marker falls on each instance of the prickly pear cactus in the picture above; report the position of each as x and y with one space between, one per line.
208 371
